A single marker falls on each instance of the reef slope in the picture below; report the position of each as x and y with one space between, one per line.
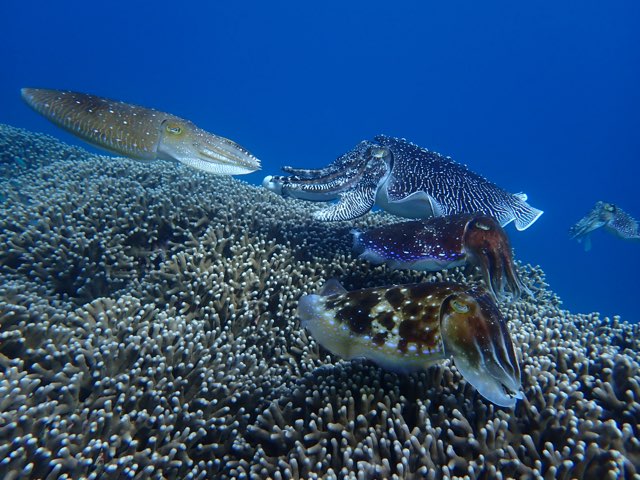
147 330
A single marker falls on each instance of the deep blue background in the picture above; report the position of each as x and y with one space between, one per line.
538 97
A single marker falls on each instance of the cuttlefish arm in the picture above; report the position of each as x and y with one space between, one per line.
139 132
487 246
353 178
476 335
360 198
323 184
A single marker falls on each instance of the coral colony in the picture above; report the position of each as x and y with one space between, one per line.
148 329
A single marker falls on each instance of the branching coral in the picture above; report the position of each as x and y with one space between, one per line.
148 330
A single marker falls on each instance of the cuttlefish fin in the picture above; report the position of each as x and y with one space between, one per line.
522 196
525 215
416 205
332 287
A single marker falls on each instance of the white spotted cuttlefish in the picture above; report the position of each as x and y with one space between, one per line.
140 133
403 179
410 327
609 217
439 243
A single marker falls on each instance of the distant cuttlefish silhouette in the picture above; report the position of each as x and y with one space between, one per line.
139 132
608 216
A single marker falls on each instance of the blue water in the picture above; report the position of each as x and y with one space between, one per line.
540 98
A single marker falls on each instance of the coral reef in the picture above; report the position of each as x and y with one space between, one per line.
147 330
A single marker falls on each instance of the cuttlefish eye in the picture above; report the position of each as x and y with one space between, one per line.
379 152
482 226
609 207
173 129
509 392
459 307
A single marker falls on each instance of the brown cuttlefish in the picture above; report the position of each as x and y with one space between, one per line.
139 132
438 243
410 327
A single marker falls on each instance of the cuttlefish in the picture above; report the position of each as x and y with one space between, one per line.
139 132
608 216
410 327
444 242
404 179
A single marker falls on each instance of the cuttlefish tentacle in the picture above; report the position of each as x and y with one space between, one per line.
409 327
322 184
475 334
329 189
487 245
139 132
499 275
354 159
321 174
358 200
348 178
333 183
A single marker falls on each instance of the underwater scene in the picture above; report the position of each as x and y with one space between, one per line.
304 241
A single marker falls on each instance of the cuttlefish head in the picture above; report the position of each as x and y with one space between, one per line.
345 174
487 246
599 216
380 152
475 334
607 210
181 140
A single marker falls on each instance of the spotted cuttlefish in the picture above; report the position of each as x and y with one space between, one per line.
139 132
443 242
608 216
404 179
410 327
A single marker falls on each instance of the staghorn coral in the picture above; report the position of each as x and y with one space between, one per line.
148 330
21 149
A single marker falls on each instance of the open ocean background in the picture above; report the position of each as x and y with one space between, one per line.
538 97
